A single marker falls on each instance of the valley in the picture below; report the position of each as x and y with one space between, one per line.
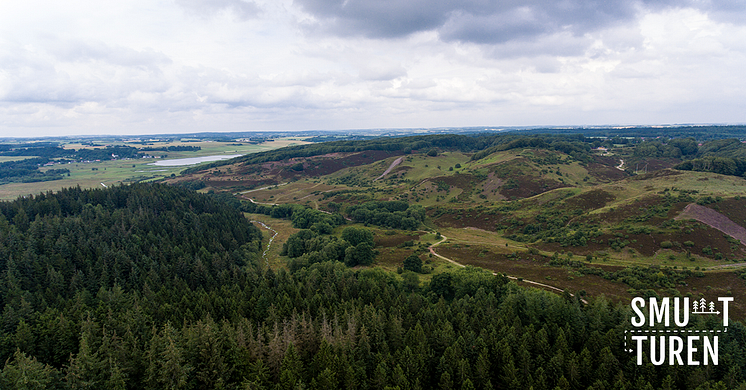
427 261
571 216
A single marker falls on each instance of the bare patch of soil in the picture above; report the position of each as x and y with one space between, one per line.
392 166
714 219
492 184
735 209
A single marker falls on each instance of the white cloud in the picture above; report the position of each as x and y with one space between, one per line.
243 10
70 68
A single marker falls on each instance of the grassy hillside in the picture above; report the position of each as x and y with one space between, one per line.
554 209
396 263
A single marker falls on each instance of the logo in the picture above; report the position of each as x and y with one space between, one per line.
663 335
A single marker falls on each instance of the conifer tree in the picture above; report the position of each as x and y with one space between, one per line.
26 373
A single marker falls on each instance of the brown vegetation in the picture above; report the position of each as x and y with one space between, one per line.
535 267
591 200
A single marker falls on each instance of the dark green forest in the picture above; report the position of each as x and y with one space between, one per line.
680 142
703 132
53 151
721 165
26 171
155 287
465 143
391 214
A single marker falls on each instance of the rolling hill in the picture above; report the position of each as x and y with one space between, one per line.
562 209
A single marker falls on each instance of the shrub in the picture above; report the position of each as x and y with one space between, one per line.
666 244
413 263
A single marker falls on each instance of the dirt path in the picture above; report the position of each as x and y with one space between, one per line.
263 188
621 165
264 255
322 192
416 185
255 202
734 265
432 250
259 189
392 166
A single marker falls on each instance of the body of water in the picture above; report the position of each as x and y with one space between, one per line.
192 160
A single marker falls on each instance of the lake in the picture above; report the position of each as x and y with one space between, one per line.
192 160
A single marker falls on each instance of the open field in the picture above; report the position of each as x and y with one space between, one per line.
516 211
484 206
284 230
295 192
14 158
92 174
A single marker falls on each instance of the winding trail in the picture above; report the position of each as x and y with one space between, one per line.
432 250
621 165
264 255
259 189
255 202
725 266
392 166
263 188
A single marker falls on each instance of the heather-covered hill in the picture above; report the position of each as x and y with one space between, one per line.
588 200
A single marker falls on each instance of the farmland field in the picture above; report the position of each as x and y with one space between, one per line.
112 172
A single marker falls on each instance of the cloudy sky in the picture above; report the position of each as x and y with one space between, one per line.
168 66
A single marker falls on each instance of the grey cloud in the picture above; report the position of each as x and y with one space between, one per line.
559 44
70 73
495 28
485 21
244 10
378 19
732 11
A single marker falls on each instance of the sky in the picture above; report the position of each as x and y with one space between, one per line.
177 66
